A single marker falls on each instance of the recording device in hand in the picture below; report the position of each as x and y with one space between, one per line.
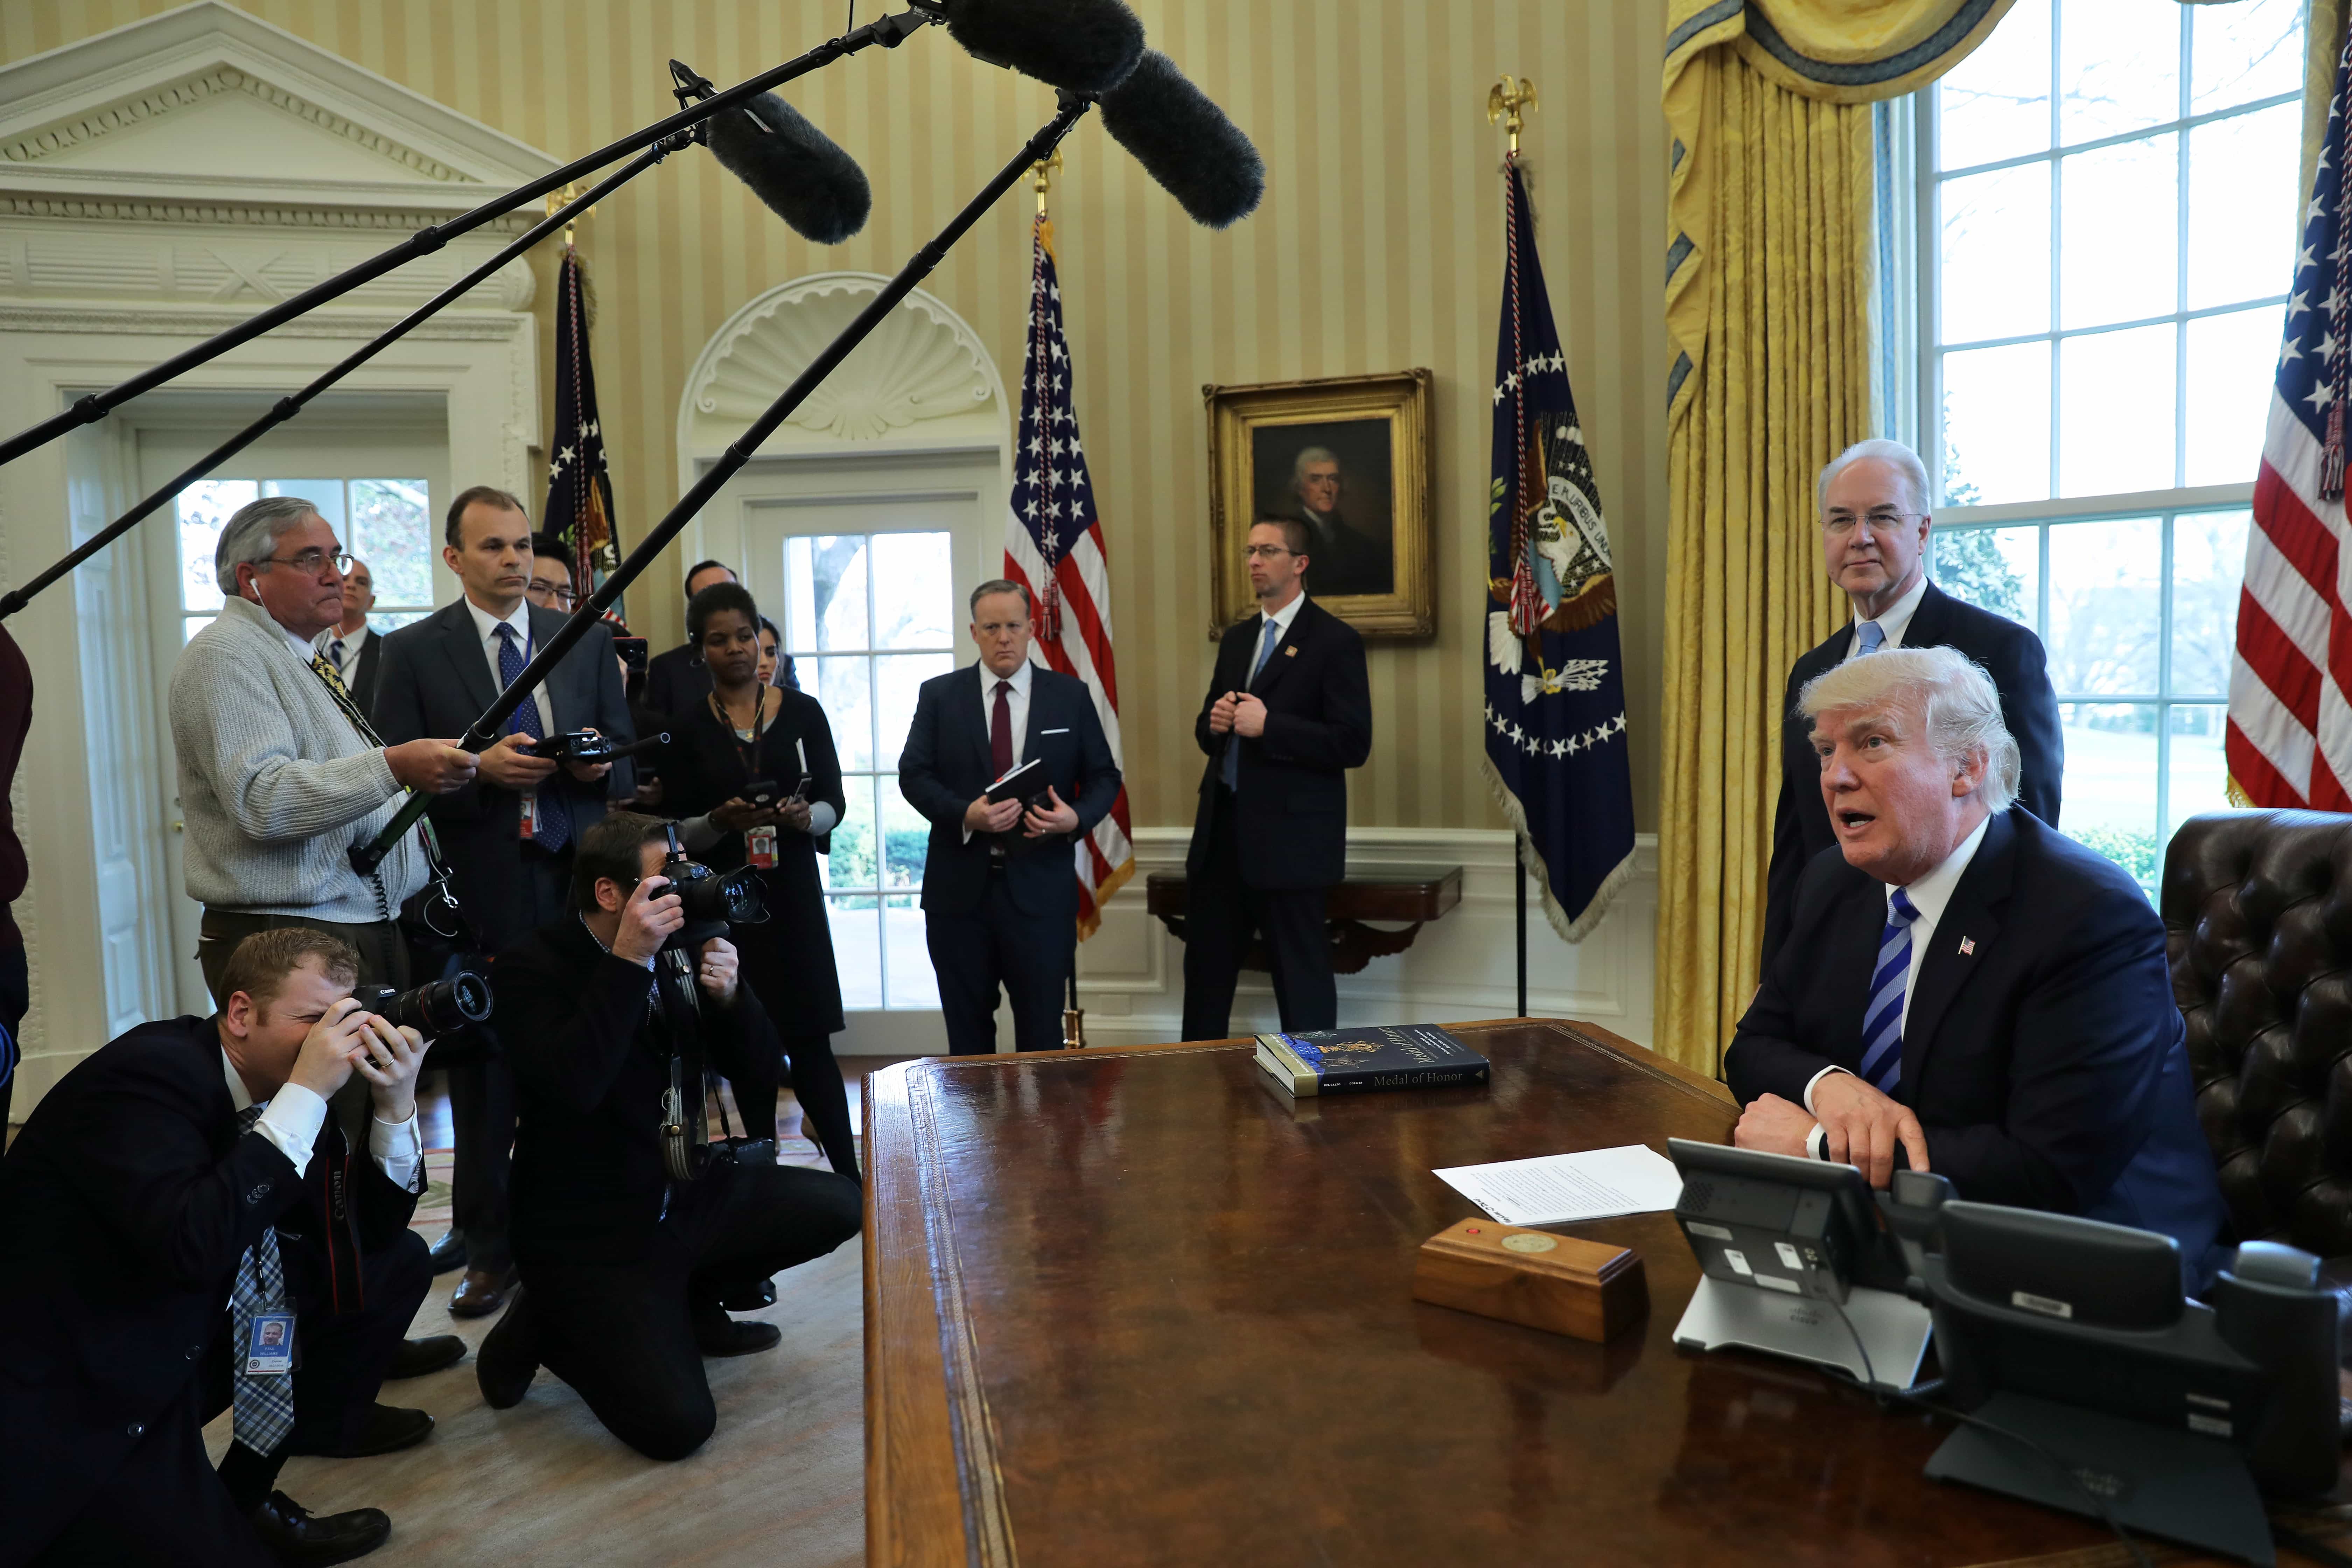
587 746
634 653
763 793
711 903
442 1008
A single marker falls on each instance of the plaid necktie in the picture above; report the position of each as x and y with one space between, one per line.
264 1405
1882 1027
552 827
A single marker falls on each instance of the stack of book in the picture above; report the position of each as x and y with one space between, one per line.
1337 1061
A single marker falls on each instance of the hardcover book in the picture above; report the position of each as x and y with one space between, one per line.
1337 1061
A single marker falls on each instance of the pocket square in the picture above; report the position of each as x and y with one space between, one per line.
1043 734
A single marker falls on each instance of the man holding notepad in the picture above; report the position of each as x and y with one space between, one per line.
1008 762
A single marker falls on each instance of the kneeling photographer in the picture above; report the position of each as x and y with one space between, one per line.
628 1230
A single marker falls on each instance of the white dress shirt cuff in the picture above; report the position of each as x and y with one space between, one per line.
291 1120
1815 1079
1813 1141
398 1149
822 818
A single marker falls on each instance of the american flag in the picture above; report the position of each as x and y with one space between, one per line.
2290 737
579 485
1054 547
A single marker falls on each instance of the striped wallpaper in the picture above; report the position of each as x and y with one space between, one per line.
1378 247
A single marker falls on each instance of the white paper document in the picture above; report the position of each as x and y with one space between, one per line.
1556 1188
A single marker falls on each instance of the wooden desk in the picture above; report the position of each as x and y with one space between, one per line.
1134 1307
1416 893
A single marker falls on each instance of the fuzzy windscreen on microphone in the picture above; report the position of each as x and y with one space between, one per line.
815 187
1084 46
1185 141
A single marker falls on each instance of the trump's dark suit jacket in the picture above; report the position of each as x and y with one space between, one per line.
1290 813
437 681
2047 1065
2010 653
125 1205
946 765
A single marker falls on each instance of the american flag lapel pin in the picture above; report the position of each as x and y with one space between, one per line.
1290 652
1968 945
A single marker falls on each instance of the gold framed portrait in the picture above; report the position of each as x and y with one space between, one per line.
1348 457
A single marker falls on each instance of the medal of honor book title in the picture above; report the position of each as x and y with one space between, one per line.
1333 1061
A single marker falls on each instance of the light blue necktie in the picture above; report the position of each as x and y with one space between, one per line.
1882 1027
264 1404
1870 635
1231 772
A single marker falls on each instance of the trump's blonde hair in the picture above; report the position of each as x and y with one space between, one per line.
1956 698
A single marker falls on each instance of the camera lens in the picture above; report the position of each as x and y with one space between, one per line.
439 1008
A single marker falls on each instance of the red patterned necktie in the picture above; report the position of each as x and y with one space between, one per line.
999 730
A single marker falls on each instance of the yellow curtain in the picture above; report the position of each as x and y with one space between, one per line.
1768 303
2323 43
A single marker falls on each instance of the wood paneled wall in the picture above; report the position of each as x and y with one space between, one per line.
1378 247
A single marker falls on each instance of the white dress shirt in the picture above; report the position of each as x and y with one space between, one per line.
1281 619
485 626
293 1116
348 665
1930 895
1893 622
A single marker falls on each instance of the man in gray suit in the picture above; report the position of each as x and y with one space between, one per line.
509 836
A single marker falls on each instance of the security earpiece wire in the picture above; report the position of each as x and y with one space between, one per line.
889 31
286 407
1883 1392
366 857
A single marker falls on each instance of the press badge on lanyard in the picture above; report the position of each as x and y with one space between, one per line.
530 817
271 1349
760 843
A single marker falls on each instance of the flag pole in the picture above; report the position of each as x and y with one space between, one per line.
1074 1017
1508 100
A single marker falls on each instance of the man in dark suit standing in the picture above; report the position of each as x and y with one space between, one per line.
167 1213
508 837
1875 522
999 887
354 649
675 680
1290 711
1964 989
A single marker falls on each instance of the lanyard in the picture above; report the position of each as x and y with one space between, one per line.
749 754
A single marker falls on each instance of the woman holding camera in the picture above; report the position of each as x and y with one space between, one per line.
751 774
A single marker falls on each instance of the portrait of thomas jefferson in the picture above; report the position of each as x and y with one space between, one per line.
1335 478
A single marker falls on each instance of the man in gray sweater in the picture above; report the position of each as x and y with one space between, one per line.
279 773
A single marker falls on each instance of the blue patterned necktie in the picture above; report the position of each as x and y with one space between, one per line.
264 1404
553 828
1882 1028
1231 772
1870 636
335 652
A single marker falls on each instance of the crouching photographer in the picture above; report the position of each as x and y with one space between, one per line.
629 1229
187 1229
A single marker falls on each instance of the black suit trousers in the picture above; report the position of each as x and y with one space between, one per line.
166 1505
622 1334
1221 912
994 943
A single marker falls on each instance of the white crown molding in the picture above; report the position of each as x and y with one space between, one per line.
237 216
454 326
433 159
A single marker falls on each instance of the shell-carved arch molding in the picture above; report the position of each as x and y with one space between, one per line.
923 373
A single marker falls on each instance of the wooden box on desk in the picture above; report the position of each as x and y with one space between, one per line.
1589 1289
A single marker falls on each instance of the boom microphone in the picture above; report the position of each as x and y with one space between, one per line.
797 170
1184 141
1080 45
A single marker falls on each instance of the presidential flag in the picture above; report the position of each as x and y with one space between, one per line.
578 486
1054 547
2290 735
1554 683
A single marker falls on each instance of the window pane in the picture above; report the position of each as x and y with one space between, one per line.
2118 68
2240 52
1997 425
391 531
2119 232
914 597
799 597
1996 103
203 507
850 866
2115 412
325 496
383 623
1995 569
1996 244
896 677
844 688
906 836
2208 563
2242 206
912 983
191 624
856 950
836 591
2200 773
2103 613
2233 363
2110 802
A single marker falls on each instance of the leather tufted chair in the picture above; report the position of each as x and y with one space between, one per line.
2257 910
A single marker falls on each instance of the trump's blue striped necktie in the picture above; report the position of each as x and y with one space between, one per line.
1882 1025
